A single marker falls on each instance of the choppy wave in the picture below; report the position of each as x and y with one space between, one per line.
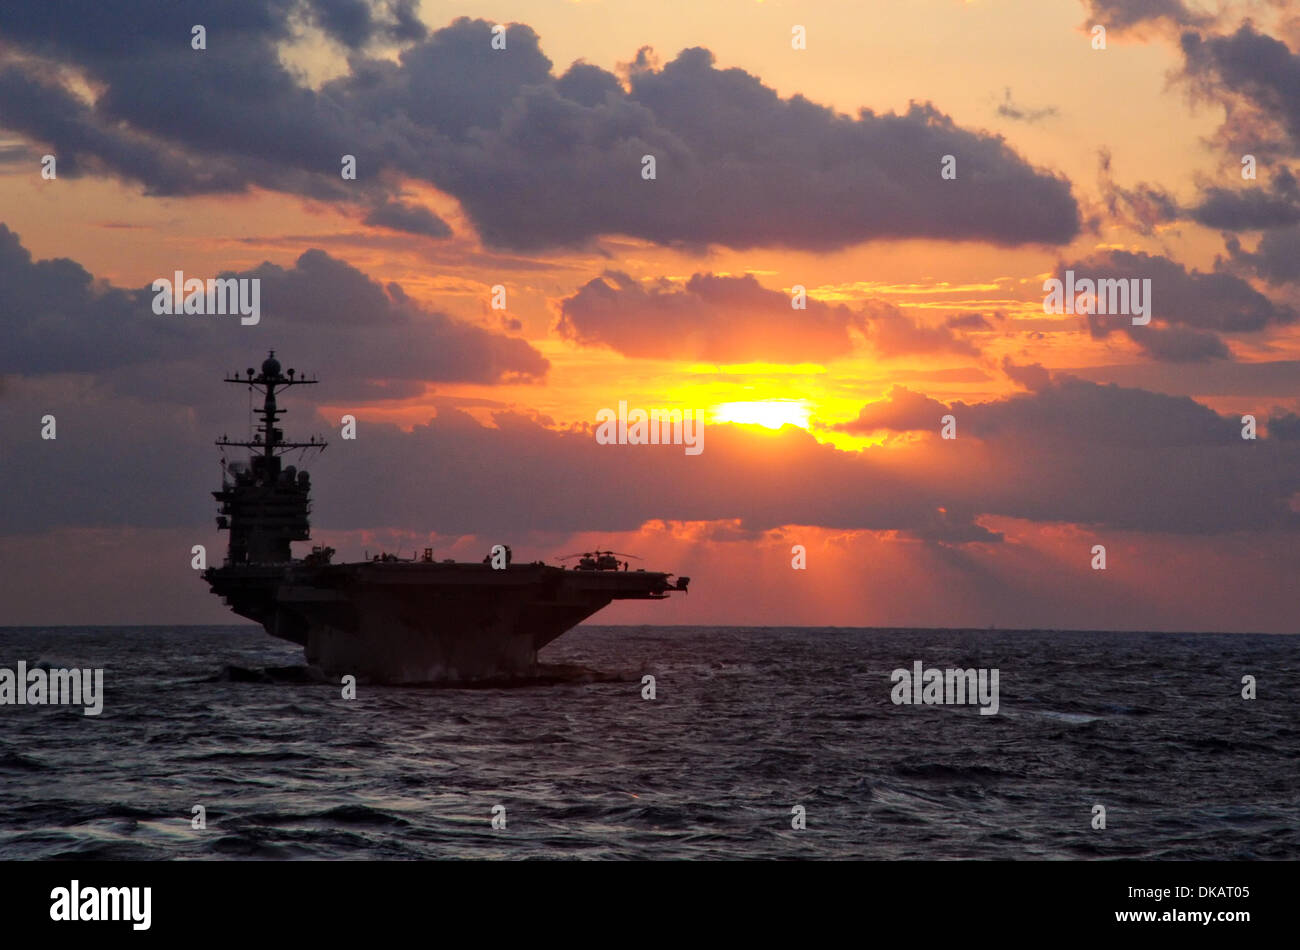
747 727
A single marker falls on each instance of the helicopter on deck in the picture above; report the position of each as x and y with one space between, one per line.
599 560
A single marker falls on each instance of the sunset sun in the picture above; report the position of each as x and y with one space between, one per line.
769 413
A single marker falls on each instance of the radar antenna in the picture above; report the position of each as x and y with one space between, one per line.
269 440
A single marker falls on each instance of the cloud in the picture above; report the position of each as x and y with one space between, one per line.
1284 426
902 410
1276 258
968 321
726 319
1256 78
1180 345
59 319
535 160
1247 383
1188 307
1251 208
1209 301
709 317
893 333
86 143
1032 376
413 219
356 23
1142 208
1071 452
1061 408
1124 15
452 475
1009 110
1108 456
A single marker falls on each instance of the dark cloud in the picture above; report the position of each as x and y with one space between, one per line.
85 28
749 150
1071 452
356 23
452 475
84 142
1031 376
950 527
413 219
1180 344
1284 426
179 121
1251 208
1276 258
535 160
1188 307
1256 78
1079 452
1009 110
1059 408
56 319
1120 15
1188 297
59 319
1249 381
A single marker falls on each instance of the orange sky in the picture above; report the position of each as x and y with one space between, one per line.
967 58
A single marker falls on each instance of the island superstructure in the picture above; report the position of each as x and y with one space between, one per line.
386 619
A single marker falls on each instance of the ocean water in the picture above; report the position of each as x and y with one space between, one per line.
746 725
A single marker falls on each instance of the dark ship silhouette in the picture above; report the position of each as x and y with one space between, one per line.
386 619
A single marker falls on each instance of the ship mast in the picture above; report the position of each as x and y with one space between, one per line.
270 441
265 507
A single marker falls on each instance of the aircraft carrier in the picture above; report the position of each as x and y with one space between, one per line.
386 619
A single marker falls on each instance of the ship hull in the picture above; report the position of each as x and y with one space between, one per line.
394 622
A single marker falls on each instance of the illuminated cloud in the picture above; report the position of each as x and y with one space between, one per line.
735 320
1070 452
536 160
710 318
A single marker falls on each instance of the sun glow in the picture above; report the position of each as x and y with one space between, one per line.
769 413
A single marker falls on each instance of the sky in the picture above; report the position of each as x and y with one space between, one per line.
913 173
